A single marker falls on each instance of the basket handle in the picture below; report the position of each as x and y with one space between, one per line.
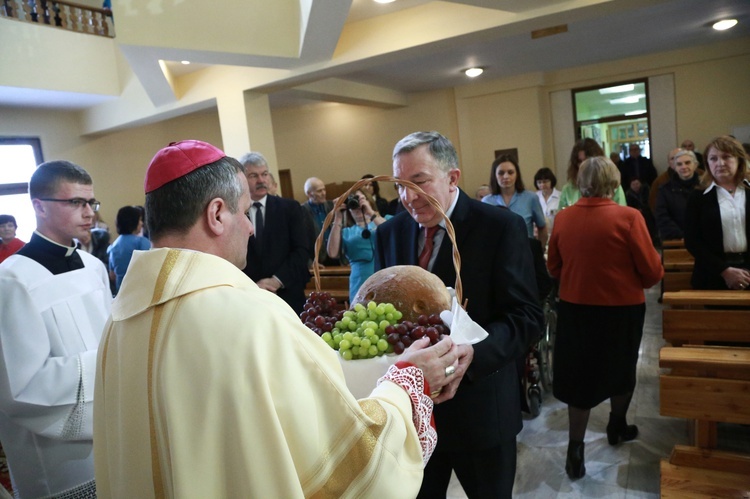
409 185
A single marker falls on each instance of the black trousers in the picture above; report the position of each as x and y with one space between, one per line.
485 474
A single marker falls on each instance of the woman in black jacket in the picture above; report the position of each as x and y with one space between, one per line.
718 221
671 202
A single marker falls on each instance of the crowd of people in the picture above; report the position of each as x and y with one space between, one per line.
199 379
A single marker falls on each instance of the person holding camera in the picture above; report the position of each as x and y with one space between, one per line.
353 236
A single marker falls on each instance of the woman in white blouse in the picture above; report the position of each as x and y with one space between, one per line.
545 182
717 223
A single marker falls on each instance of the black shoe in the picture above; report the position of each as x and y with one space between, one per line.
618 430
574 466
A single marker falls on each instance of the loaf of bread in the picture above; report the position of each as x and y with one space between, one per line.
411 289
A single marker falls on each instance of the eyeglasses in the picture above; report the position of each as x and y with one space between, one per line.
76 202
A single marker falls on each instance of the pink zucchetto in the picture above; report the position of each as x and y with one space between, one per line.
177 160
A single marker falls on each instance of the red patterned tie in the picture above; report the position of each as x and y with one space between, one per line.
424 256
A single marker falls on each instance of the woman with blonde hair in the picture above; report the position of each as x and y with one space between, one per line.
601 255
585 148
718 218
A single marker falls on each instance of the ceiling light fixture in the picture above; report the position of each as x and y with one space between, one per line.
473 72
185 62
384 1
725 24
631 99
618 89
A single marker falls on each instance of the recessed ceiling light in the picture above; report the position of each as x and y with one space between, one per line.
384 1
473 72
631 99
185 62
618 89
725 24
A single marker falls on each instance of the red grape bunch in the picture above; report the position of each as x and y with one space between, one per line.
402 335
321 312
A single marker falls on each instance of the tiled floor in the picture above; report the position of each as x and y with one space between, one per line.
630 470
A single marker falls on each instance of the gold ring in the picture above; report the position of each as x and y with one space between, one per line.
435 393
449 370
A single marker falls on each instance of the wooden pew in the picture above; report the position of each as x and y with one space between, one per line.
678 266
697 327
703 297
673 243
693 472
707 384
333 280
686 320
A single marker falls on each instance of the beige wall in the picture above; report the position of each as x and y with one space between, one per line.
502 120
711 98
339 142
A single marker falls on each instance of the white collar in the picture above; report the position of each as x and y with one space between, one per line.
68 249
714 184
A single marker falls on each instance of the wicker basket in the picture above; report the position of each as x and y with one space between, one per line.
362 374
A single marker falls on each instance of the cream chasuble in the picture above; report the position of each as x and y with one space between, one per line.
209 387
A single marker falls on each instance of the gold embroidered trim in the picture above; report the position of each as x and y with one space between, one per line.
105 347
166 269
351 466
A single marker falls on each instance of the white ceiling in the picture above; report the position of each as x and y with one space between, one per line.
597 31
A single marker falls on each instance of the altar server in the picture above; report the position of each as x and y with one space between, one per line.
55 302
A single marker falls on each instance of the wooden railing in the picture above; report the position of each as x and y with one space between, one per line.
65 15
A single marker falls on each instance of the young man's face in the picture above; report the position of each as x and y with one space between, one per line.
62 221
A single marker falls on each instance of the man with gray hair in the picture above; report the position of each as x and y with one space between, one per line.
316 208
55 302
478 427
278 252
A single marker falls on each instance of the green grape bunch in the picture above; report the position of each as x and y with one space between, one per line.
365 332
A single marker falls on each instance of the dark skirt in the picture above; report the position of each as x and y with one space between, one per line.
596 352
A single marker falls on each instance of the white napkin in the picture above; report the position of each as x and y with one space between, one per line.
464 331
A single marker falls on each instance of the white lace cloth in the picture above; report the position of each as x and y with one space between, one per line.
411 379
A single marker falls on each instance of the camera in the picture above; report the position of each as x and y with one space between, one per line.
352 202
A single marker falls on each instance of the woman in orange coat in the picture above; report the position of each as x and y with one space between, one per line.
602 256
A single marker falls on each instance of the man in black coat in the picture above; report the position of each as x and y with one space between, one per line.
278 251
637 166
477 428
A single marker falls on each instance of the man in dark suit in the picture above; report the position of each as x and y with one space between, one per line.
477 428
637 167
278 251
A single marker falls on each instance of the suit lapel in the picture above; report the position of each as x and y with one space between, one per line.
459 218
410 234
